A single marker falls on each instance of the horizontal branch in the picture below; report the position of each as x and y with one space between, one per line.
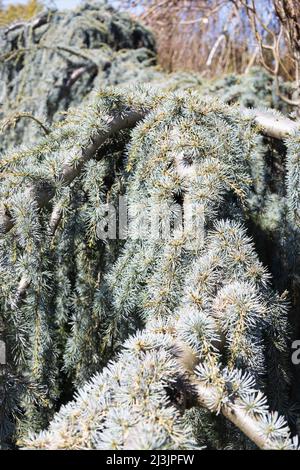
270 125
69 172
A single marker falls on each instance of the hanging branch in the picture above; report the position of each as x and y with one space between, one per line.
125 120
268 123
35 23
211 398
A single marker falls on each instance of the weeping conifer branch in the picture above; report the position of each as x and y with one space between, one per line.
270 124
216 300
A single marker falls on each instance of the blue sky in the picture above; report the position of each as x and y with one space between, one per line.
59 3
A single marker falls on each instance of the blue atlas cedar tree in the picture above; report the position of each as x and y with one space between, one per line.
162 338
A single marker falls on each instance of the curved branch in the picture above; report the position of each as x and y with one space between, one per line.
206 395
268 123
69 172
12 120
236 415
36 23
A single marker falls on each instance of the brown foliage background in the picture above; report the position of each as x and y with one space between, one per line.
19 11
214 37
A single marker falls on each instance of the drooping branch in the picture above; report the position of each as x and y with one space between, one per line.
124 120
36 23
61 435
268 123
271 125
212 398
59 49
12 121
69 172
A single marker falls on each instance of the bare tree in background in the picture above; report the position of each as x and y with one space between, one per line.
288 12
277 37
222 36
207 36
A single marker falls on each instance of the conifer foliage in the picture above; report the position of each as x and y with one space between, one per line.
153 334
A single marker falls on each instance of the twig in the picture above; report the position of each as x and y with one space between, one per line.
221 38
12 120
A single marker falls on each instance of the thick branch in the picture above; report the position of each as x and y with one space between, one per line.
243 421
115 124
277 127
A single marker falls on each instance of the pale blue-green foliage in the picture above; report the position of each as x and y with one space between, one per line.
126 406
241 388
87 296
293 177
200 328
44 318
252 90
47 68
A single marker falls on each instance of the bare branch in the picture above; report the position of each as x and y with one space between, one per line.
12 120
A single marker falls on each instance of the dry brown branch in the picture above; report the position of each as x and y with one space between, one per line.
214 37
186 32
278 46
12 120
